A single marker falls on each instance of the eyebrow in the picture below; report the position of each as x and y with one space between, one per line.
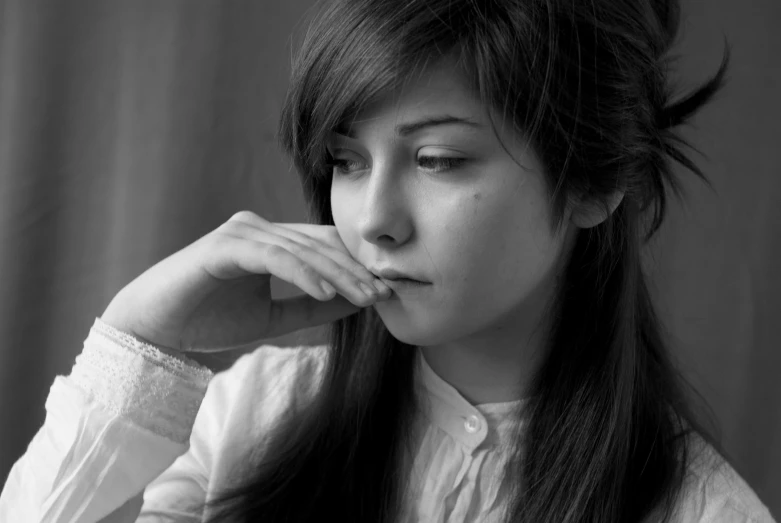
406 129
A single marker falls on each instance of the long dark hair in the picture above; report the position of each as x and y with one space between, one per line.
606 426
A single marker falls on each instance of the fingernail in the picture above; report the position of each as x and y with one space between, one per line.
368 290
381 287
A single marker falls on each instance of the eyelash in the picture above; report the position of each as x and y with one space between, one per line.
442 163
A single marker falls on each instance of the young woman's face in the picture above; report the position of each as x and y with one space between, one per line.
447 204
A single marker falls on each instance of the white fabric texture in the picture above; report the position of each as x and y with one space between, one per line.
133 434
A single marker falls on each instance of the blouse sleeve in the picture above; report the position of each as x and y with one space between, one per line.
716 493
122 417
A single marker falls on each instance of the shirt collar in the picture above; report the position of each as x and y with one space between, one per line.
469 424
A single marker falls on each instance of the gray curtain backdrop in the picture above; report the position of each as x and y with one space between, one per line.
128 129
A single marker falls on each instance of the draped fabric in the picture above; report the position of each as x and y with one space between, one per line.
130 128
135 435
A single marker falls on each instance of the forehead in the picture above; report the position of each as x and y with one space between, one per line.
439 90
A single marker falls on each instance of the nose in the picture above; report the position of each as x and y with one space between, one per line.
386 205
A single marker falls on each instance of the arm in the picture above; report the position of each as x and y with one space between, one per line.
120 419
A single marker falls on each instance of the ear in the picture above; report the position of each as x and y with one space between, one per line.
587 214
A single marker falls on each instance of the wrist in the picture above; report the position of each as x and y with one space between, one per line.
116 323
116 317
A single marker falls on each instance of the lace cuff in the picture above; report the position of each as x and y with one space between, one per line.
135 380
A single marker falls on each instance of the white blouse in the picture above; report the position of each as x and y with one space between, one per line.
135 435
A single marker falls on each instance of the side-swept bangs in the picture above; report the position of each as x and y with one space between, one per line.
358 51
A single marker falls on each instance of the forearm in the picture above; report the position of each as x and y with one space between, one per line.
121 417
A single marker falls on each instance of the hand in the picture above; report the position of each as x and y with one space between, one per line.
215 294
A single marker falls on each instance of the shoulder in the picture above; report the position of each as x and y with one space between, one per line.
715 493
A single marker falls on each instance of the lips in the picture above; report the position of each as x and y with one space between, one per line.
405 286
392 274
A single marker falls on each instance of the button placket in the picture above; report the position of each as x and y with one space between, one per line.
474 427
472 424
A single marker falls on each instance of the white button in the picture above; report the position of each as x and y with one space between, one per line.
472 424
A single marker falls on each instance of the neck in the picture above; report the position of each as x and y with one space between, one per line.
492 369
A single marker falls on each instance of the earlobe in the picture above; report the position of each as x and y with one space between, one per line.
591 214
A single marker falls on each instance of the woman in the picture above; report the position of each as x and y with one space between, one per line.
504 155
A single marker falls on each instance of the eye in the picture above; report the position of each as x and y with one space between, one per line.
341 165
439 163
436 164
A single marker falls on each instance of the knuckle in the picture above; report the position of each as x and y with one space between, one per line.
344 274
218 241
305 270
361 271
275 251
230 227
290 246
246 217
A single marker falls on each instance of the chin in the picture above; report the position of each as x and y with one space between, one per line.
414 328
416 337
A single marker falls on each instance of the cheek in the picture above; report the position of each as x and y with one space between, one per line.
503 243
336 205
340 213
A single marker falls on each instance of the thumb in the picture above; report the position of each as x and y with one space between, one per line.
252 322
304 311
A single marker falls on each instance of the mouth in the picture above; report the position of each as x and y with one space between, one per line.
405 285
392 274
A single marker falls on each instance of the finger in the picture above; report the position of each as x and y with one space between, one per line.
235 316
303 312
321 238
242 329
250 218
306 260
324 239
340 276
